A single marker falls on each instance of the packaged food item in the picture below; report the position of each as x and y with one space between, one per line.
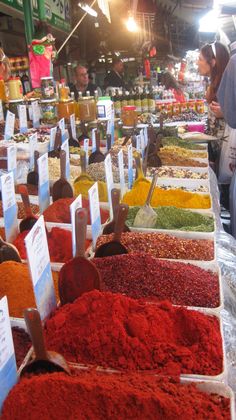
129 116
49 111
47 87
15 88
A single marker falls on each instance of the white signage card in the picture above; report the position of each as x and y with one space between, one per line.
138 143
9 206
145 136
65 147
130 166
9 125
142 143
32 147
23 118
109 180
44 189
73 126
36 114
8 369
86 149
62 127
94 139
95 214
77 204
40 268
11 159
121 171
53 132
1 112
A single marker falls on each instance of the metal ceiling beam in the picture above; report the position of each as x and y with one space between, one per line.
190 14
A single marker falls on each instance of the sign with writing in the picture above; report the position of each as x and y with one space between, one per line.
53 132
138 143
65 146
73 126
9 125
77 204
94 139
62 127
121 171
44 190
130 166
109 180
9 206
8 369
1 112
33 140
40 268
95 214
11 159
23 118
86 149
142 143
36 114
145 132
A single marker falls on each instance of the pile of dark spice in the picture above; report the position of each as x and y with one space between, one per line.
112 330
21 210
97 396
160 245
143 276
22 344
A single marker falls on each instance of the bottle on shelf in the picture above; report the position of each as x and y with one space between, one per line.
63 91
144 101
2 90
25 83
151 102
117 104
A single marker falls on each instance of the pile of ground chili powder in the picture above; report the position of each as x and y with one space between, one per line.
22 344
112 330
143 276
160 245
98 396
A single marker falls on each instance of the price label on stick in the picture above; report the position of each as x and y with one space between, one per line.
1 112
86 149
109 180
95 214
8 369
145 136
130 166
33 140
94 139
65 147
77 204
73 126
9 125
138 143
62 127
9 206
53 132
44 190
36 114
23 118
121 171
142 143
40 268
11 159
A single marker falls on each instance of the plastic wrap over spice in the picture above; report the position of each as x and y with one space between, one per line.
165 246
112 330
143 276
97 395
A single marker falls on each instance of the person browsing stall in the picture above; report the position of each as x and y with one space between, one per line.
82 83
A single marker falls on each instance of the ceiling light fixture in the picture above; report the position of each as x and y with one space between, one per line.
86 8
131 24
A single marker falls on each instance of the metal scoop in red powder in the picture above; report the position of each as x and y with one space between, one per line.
78 275
30 219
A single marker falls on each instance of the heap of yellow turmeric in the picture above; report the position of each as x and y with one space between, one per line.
176 197
82 187
183 152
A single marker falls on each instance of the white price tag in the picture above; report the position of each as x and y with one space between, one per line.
130 166
1 112
40 268
95 214
9 206
53 132
73 126
65 147
142 143
9 125
33 140
86 149
22 118
11 159
145 136
94 139
8 369
109 180
36 114
62 127
77 204
138 143
44 190
121 171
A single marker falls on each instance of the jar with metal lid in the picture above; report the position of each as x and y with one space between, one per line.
47 87
65 109
192 105
200 106
129 116
87 108
15 88
13 106
49 111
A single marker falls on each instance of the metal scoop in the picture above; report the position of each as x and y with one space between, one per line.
97 156
44 361
62 188
146 216
140 174
115 199
8 252
115 247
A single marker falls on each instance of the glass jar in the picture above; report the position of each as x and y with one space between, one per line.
183 106
2 90
200 106
15 88
13 106
65 109
129 116
49 111
47 87
176 108
191 105
87 109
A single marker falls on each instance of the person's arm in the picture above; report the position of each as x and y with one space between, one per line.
216 109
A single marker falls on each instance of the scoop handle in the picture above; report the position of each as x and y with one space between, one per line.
83 162
23 190
97 135
63 164
151 189
34 326
108 142
115 200
57 142
81 217
36 156
120 221
138 163
145 162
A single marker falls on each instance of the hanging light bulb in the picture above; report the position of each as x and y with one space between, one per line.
131 24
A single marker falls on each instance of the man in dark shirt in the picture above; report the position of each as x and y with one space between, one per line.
115 77
82 83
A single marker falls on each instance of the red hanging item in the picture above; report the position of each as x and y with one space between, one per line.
147 68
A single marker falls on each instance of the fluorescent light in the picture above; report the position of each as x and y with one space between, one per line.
86 8
131 24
